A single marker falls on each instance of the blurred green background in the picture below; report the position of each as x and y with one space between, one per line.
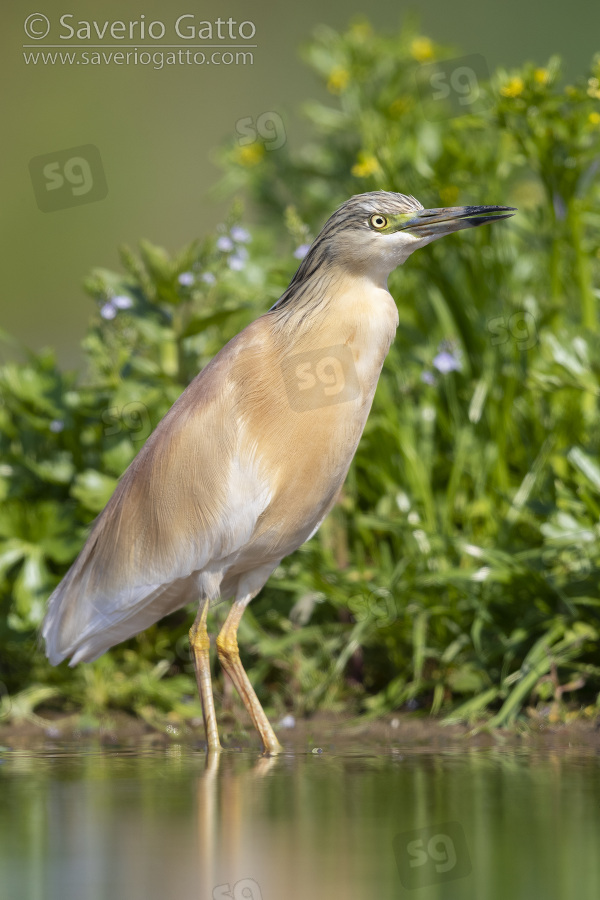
459 571
156 130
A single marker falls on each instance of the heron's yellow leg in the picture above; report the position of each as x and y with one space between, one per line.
200 644
229 657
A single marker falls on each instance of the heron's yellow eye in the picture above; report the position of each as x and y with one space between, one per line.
378 221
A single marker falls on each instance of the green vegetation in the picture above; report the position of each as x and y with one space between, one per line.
460 570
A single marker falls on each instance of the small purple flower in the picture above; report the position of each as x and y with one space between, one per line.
240 234
428 377
447 360
56 426
238 259
236 262
186 279
301 251
122 301
287 722
108 311
225 244
209 278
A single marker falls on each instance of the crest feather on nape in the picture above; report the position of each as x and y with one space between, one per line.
384 201
350 216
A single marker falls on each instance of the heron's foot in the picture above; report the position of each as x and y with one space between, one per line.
272 748
229 658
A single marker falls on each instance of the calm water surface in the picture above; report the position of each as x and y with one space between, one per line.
168 824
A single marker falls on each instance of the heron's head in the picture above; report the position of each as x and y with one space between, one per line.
376 232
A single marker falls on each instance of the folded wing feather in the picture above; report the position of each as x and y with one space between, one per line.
170 529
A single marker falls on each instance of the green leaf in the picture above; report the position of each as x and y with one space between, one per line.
31 587
11 552
200 323
118 457
93 489
60 469
586 465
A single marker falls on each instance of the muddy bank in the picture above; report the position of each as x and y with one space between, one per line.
334 734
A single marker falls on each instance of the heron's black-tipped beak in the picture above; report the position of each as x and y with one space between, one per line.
438 222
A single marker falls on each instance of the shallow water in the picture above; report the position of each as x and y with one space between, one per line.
115 824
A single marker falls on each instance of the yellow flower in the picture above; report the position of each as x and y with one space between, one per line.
338 80
361 29
541 76
449 195
513 88
421 49
594 118
594 88
401 105
250 155
366 165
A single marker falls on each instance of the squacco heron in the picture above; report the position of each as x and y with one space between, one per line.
250 459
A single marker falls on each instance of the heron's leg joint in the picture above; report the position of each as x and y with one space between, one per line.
199 639
227 646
